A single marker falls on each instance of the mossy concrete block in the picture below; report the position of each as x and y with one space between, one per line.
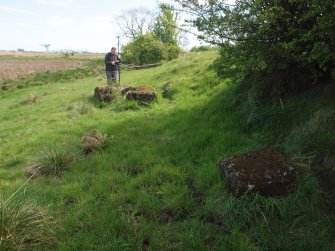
103 93
267 172
139 93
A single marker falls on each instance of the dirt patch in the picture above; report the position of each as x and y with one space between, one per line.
146 242
324 170
32 172
196 194
169 215
217 222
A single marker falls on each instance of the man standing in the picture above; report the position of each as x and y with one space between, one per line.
112 61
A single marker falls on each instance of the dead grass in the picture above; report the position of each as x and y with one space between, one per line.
93 141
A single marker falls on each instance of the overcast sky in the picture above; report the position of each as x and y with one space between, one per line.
88 25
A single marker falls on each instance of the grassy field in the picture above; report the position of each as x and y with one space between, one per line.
156 183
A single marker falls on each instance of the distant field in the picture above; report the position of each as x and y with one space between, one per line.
15 65
47 55
15 68
26 54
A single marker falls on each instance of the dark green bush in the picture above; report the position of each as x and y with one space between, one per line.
145 49
284 44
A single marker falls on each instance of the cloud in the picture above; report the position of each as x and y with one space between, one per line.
24 25
60 21
14 10
61 3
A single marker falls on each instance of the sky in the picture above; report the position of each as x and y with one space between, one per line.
80 25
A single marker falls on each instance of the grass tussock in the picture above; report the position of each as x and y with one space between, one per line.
51 162
32 98
25 225
80 107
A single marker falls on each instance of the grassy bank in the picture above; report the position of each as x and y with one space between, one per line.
156 183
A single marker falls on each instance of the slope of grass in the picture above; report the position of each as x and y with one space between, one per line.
156 184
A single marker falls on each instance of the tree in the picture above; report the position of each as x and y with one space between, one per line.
284 43
135 22
165 26
165 30
145 49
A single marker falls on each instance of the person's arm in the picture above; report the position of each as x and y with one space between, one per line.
107 59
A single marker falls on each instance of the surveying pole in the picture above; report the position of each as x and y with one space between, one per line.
118 51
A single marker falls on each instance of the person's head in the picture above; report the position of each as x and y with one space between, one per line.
113 50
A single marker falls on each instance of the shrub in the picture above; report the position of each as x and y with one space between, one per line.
200 48
172 51
287 44
145 49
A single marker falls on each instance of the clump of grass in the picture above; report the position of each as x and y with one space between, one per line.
32 98
79 107
121 105
24 224
51 162
168 91
317 133
82 107
5 87
92 141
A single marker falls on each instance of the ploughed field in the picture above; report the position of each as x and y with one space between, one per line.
11 69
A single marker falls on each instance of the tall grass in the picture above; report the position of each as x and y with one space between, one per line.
24 224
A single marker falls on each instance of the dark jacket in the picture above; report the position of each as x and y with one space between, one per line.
109 57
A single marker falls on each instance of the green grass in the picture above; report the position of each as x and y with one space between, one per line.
156 183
